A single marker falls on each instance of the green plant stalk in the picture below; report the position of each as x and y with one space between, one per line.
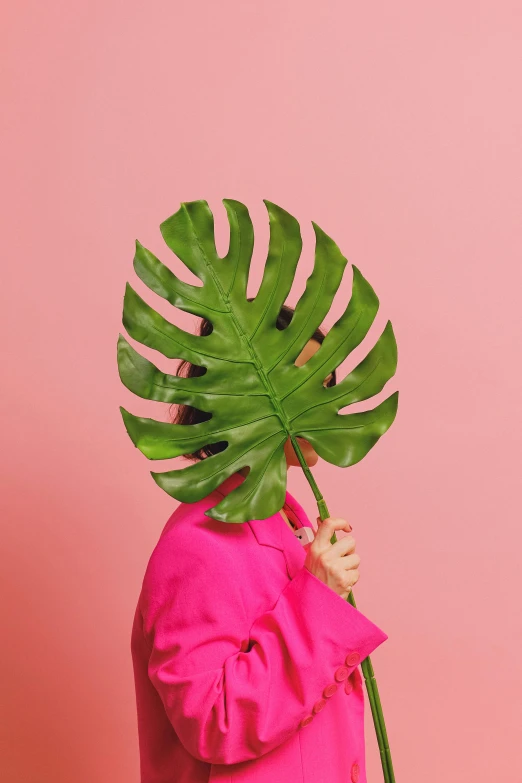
366 665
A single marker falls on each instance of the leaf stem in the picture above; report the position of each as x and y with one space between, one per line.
366 664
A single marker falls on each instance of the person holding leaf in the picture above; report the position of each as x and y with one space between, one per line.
245 659
246 640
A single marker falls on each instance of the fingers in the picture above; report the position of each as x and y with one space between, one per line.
336 565
343 546
327 528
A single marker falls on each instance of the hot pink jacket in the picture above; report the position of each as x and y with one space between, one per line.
245 663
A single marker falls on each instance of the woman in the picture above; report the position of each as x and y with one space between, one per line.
245 649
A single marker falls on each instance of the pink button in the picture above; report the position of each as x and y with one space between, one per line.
306 721
330 690
348 687
355 773
352 659
341 673
318 706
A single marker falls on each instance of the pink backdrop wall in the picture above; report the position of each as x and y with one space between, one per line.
397 128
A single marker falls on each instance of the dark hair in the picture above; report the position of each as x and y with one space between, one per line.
186 414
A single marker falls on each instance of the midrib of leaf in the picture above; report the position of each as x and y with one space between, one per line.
265 380
243 337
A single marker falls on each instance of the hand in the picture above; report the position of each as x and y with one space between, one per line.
334 564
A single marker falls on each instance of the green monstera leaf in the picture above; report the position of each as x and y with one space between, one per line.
256 395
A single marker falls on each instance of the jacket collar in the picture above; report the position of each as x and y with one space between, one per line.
273 531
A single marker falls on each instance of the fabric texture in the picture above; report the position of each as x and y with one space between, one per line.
246 665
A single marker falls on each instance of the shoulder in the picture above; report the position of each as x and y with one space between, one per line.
190 544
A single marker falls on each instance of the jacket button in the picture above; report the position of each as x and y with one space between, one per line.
341 673
348 687
352 659
330 690
306 721
355 773
318 706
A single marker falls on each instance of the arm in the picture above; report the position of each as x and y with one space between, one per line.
233 690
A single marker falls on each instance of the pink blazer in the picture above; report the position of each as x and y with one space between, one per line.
245 663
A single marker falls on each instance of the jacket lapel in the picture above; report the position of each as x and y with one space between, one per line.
273 531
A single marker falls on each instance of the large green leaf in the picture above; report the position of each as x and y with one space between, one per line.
256 394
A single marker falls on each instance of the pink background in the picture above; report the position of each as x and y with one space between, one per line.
397 128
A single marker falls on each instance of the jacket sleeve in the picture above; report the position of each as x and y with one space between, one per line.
233 690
